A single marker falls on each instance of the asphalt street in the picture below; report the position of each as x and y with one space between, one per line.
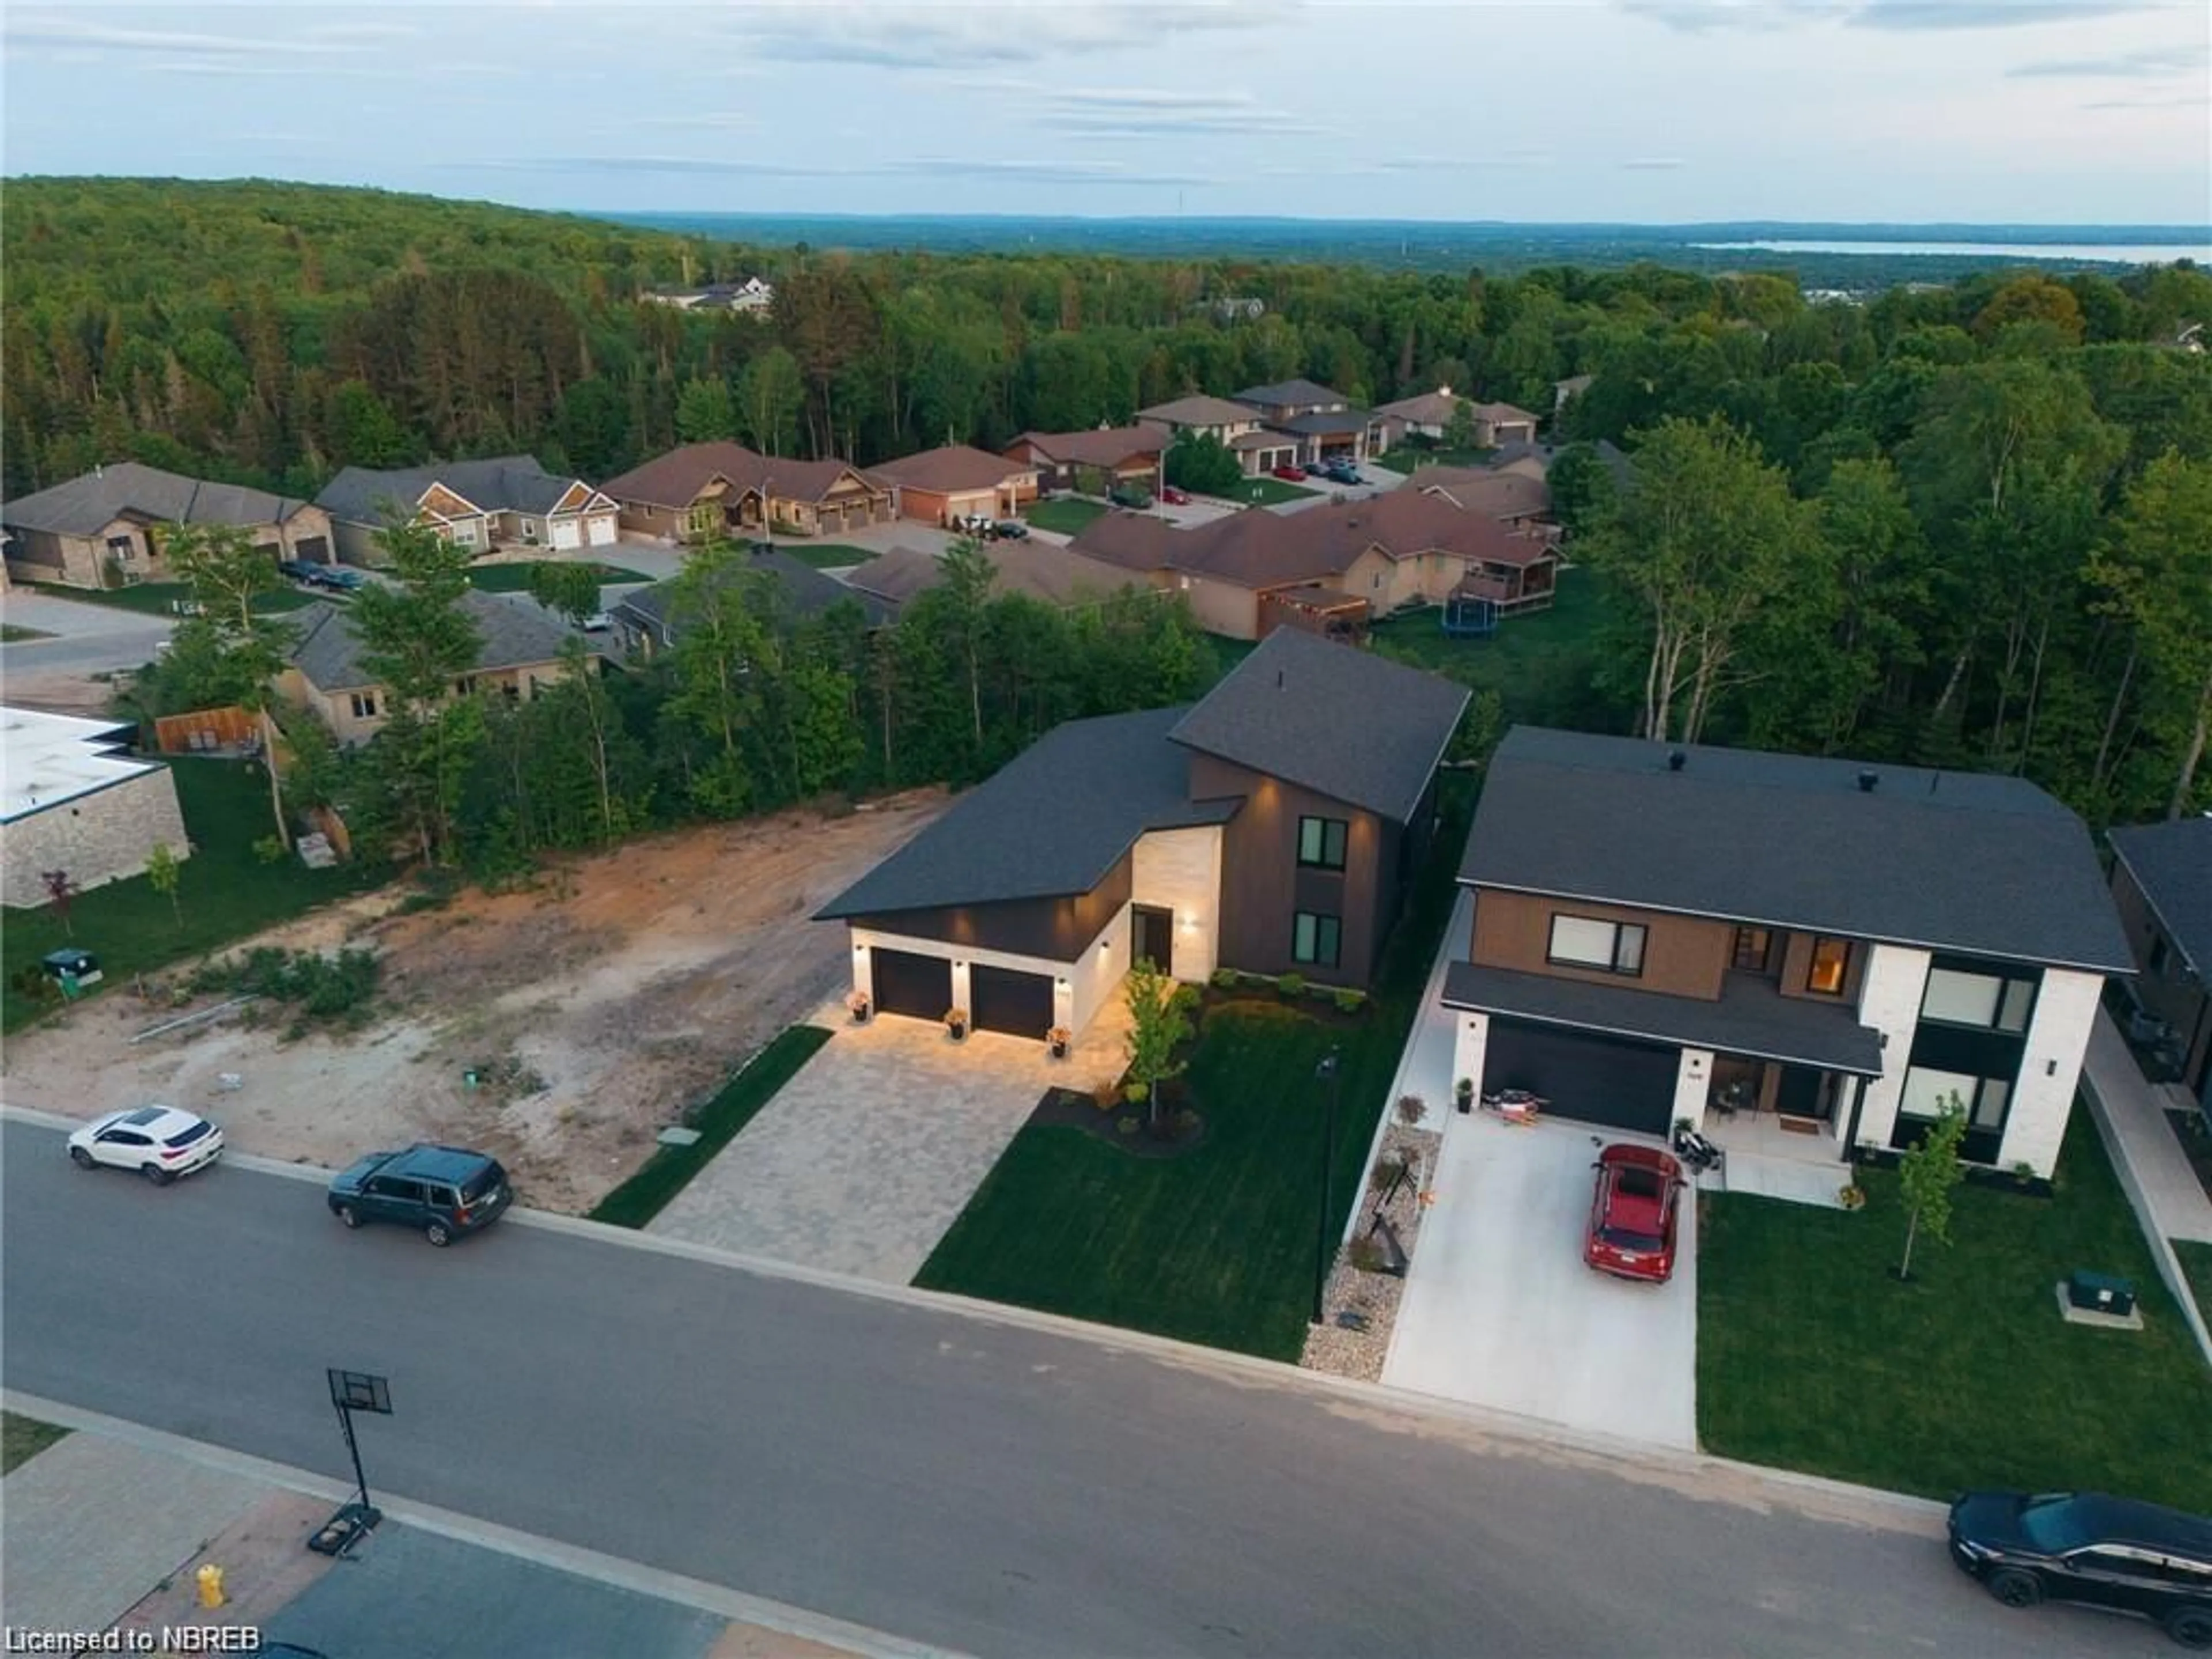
980 1486
84 639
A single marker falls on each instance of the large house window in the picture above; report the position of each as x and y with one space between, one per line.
1321 842
1928 1091
1315 938
1989 1002
1831 961
1752 944
1611 947
364 705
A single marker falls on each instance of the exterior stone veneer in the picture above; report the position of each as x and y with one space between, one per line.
103 836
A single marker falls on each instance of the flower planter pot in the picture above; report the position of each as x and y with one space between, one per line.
1060 1051
860 1015
957 1033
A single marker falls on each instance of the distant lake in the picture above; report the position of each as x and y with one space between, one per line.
2117 253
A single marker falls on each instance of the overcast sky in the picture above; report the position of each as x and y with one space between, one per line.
1653 110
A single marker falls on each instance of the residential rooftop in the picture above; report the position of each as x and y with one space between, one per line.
2171 863
47 760
515 633
504 484
130 489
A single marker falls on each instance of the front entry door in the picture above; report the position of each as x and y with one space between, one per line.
1155 937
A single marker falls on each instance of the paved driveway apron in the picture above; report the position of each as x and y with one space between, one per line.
1499 1310
863 1160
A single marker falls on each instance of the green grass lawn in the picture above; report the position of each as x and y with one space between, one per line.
1267 490
161 599
826 555
224 891
1811 1357
2196 1262
1216 1245
1412 461
1064 514
1540 663
670 1169
24 1438
515 578
10 634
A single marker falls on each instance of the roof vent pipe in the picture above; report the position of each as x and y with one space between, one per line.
1867 782
1278 679
1677 759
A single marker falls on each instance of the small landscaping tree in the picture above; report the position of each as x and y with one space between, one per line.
61 891
1202 463
1459 431
162 870
1927 1175
568 590
1159 1024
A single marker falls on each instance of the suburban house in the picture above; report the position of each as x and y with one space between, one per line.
1275 826
105 528
721 488
1425 415
76 798
2162 883
1565 391
327 676
1330 568
486 506
1236 427
1103 457
646 622
944 485
1497 425
1805 956
1514 495
1057 576
1324 423
755 296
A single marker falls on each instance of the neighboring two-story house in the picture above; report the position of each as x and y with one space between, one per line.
1275 826
1809 944
106 528
1236 427
508 502
2162 882
1325 423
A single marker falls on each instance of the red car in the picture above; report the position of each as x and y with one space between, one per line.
1289 474
1632 1213
1175 497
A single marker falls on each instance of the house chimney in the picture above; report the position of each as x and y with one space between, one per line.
1443 391
1677 759
1867 782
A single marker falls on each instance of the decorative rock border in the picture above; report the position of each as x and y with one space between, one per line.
1372 1298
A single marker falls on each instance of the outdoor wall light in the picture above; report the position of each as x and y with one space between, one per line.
1105 947
2051 1068
859 950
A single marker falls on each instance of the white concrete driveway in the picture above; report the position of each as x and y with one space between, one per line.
1500 1312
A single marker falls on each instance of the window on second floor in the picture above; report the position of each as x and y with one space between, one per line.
1321 842
1752 946
1828 966
1987 1001
1610 947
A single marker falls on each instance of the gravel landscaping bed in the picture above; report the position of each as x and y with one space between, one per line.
1372 1296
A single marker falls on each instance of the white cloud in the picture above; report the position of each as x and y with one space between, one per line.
910 37
2144 63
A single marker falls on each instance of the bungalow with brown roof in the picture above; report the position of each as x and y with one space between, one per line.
1515 495
106 528
1236 426
945 485
721 488
1251 572
1424 416
1499 424
1101 459
1057 576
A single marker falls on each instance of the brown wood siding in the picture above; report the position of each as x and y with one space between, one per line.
1056 929
1683 956
1262 884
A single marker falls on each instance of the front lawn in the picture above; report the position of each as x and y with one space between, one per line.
22 1438
515 578
1811 1357
2196 1263
1216 1245
224 891
1265 490
12 633
1540 663
1064 514
825 555
161 598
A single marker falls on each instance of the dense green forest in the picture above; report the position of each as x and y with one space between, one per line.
1965 524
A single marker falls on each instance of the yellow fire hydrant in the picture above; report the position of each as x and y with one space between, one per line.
210 1577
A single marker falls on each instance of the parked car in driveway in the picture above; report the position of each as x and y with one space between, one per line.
338 578
1010 530
1633 1212
299 570
1173 495
1343 472
160 1142
441 1192
1289 474
2114 1553
1130 496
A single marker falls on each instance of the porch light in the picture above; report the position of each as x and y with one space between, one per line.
859 950
1105 947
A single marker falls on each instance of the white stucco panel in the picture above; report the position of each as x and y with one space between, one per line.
1889 1002
1470 1044
1081 988
1693 1086
2051 1068
1180 870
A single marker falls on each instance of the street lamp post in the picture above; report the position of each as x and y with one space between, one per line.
1329 1071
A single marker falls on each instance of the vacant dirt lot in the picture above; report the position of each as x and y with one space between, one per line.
599 1004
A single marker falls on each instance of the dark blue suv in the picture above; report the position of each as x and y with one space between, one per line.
442 1191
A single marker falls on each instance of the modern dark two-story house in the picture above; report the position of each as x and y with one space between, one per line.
2162 882
1832 947
1274 826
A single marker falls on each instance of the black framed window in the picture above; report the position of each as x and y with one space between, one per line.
1752 947
1321 842
1315 938
1610 947
1984 999
1929 1092
1828 966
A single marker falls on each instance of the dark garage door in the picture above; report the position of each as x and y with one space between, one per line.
1019 1004
1594 1079
315 550
909 984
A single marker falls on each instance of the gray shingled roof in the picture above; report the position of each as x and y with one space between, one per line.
1751 1017
807 592
505 484
1323 422
1049 823
1331 718
1284 393
90 503
514 631
2172 865
1948 861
